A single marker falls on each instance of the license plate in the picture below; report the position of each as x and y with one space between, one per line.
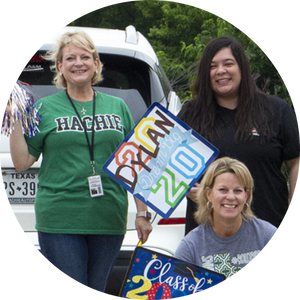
20 187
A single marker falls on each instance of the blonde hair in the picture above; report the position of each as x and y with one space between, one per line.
79 39
204 213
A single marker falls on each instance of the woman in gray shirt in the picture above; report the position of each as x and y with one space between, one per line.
229 235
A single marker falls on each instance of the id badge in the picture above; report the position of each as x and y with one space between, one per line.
95 185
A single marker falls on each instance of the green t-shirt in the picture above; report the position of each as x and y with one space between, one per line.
63 203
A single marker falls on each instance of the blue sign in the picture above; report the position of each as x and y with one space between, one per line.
152 275
160 160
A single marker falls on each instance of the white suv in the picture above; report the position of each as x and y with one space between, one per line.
132 72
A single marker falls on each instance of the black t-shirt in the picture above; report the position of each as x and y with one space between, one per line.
264 161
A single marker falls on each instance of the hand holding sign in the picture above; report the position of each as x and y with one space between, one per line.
160 160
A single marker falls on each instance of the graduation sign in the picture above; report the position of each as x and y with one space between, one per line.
160 159
152 275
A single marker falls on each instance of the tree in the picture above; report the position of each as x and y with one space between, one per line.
179 34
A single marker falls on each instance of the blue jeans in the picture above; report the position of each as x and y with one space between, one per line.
88 259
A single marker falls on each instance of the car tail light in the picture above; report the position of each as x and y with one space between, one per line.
36 58
172 221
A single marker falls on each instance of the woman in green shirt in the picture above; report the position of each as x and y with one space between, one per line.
81 213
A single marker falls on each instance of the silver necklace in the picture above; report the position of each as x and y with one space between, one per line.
83 110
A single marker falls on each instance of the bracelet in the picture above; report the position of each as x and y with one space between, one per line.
145 214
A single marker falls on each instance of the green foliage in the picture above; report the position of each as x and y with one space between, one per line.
179 34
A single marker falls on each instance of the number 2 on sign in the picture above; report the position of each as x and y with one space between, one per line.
144 288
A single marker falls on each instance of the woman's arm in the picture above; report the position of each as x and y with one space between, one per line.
192 194
293 167
142 224
20 155
21 158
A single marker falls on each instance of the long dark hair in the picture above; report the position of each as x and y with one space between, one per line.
254 107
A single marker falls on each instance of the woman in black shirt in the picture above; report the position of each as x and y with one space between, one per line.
246 124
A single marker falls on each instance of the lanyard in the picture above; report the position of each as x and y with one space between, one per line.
90 145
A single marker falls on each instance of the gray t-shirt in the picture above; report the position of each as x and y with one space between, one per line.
204 248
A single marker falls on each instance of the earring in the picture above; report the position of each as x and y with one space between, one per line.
207 205
247 205
60 74
96 72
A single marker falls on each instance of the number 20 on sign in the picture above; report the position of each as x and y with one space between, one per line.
160 159
149 288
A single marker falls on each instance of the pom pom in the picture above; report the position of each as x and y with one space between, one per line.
21 102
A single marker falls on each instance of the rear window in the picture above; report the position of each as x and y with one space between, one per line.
124 77
37 71
119 72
